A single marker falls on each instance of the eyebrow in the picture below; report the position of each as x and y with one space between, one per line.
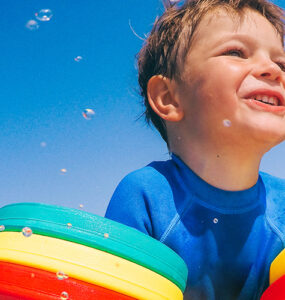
245 39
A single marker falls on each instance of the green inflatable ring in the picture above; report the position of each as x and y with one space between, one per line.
97 232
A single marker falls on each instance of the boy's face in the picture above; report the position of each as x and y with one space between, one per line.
231 63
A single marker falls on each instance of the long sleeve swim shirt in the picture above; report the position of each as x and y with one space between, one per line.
228 239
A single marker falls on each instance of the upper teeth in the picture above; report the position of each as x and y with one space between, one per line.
267 99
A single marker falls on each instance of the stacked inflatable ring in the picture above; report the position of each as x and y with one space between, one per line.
53 252
276 289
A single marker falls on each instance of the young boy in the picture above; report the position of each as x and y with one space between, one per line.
212 73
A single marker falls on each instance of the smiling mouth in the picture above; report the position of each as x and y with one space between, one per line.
268 100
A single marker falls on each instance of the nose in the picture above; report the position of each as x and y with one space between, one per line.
268 69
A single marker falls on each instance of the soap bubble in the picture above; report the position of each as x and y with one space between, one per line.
78 58
215 220
63 171
32 25
61 275
64 296
44 15
27 231
69 225
227 123
106 235
43 144
2 227
88 113
81 205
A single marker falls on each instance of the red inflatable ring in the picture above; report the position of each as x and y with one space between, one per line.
26 283
276 291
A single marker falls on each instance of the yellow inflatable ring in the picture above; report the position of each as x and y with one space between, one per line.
277 268
87 264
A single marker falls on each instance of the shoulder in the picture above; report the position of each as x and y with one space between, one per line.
141 196
275 203
273 184
149 177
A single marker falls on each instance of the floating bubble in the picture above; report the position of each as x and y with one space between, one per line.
63 171
64 296
80 205
69 225
2 227
27 231
61 275
44 15
227 123
215 220
33 275
88 113
43 144
106 235
32 25
78 58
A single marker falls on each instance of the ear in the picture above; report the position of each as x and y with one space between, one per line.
161 97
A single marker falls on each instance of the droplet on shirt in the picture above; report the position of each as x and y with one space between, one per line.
78 58
88 113
32 25
27 231
227 123
61 275
215 220
44 15
64 296
2 227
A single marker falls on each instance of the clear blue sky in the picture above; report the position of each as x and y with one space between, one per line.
44 92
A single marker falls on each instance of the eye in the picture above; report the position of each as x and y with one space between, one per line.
234 52
281 66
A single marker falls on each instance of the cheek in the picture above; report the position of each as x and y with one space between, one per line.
222 81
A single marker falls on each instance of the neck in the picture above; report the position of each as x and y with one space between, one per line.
228 168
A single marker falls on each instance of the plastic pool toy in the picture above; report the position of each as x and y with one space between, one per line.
22 282
276 291
91 249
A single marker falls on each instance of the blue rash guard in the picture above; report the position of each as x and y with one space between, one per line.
227 239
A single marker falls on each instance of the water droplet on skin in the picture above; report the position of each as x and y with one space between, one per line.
88 113
32 25
61 275
227 123
106 235
44 15
64 296
215 220
78 58
27 231
2 227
